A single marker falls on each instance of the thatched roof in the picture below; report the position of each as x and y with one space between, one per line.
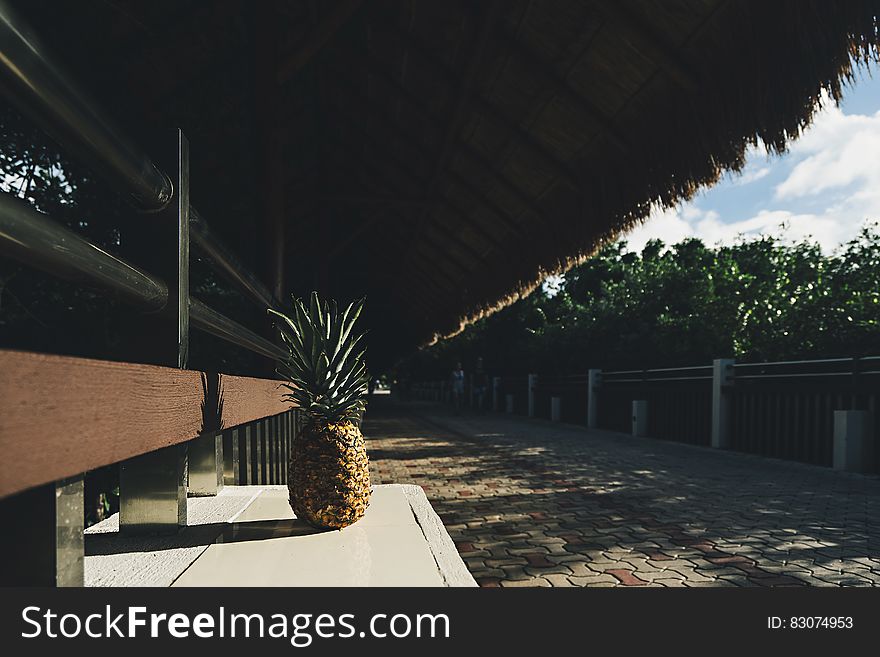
443 156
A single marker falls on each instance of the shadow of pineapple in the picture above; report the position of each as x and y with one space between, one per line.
328 476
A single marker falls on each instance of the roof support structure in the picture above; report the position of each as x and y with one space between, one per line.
271 174
650 43
561 169
444 202
431 113
366 108
322 32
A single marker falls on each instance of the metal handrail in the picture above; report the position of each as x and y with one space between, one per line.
795 362
209 320
226 262
794 375
41 89
680 369
34 81
661 379
659 369
36 240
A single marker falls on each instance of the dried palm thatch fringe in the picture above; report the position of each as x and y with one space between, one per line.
762 67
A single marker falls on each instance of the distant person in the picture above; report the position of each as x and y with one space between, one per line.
481 384
457 380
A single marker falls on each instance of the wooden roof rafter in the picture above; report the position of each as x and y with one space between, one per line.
651 44
322 32
559 86
442 201
485 108
506 221
464 147
387 155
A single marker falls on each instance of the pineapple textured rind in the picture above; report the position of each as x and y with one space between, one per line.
329 475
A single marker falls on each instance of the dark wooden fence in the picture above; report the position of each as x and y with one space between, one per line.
571 391
783 410
679 402
786 409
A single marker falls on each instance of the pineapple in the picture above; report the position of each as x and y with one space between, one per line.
329 476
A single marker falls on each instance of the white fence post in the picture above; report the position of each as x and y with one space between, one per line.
594 380
508 403
640 418
496 391
722 380
555 409
852 441
533 380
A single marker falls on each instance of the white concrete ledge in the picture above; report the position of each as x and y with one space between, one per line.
452 569
248 536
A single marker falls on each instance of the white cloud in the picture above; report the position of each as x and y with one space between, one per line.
747 177
832 187
837 151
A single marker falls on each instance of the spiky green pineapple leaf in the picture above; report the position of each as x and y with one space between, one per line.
323 376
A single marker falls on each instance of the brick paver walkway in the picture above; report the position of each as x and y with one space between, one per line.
530 503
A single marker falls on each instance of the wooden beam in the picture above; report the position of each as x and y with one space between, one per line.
381 146
174 34
431 113
464 94
367 109
650 43
482 161
389 201
61 416
269 156
440 202
560 86
379 178
294 61
561 169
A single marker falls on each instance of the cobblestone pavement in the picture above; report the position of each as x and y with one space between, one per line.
530 503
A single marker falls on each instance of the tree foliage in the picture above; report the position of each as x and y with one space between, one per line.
756 300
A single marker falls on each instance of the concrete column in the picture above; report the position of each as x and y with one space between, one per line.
556 409
722 381
245 456
205 465
594 381
231 474
43 545
496 393
508 403
852 441
257 453
152 492
533 381
640 418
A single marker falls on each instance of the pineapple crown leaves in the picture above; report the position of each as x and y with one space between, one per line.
325 368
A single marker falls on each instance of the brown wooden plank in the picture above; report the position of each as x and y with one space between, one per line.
60 416
246 399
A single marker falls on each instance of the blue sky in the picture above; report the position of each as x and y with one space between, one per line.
823 188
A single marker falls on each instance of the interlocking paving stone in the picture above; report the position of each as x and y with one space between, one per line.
533 503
